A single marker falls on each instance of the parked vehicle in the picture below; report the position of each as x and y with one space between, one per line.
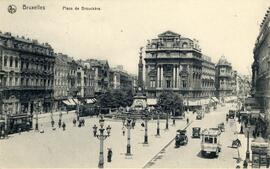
221 127
181 138
196 132
210 144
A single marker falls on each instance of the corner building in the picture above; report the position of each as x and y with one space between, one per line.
176 63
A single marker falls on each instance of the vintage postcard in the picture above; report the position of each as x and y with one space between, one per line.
134 84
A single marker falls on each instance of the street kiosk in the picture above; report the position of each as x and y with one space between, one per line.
259 148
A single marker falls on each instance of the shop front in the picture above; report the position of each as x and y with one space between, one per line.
260 157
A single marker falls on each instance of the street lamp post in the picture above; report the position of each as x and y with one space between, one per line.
146 116
102 136
128 126
158 130
167 120
247 152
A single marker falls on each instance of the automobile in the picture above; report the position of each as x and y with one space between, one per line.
210 144
196 132
181 138
198 117
221 127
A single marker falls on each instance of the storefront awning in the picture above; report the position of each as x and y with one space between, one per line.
215 99
91 101
66 102
151 101
76 101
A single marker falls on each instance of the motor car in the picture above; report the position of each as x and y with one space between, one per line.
221 127
210 143
181 138
198 117
196 132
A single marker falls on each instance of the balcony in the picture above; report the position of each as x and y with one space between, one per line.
174 48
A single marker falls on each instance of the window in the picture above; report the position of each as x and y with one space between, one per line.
152 82
16 82
5 61
10 81
16 63
168 82
184 83
184 45
10 62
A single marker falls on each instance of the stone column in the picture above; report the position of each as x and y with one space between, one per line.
161 76
177 77
158 76
173 81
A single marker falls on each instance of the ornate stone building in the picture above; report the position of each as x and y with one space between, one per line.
60 87
261 69
120 79
176 63
27 76
224 76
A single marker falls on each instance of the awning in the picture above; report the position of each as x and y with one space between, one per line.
76 101
71 102
66 102
91 101
151 101
215 99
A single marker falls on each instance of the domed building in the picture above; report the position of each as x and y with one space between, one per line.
223 80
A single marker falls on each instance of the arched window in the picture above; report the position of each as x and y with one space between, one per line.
184 45
5 61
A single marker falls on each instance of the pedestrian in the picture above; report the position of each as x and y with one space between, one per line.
187 120
52 122
245 164
83 122
74 122
59 123
123 130
109 155
142 124
95 130
133 124
64 126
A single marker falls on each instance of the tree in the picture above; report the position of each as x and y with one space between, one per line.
170 102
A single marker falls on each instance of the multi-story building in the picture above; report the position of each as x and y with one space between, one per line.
60 88
27 72
120 79
89 75
101 78
261 69
72 77
176 63
223 80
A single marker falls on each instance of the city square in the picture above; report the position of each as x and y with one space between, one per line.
181 84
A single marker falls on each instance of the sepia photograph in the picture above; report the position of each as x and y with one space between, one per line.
135 84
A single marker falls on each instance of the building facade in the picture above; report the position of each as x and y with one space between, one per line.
261 69
120 79
176 63
223 81
102 75
60 88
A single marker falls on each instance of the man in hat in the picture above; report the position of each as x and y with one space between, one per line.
109 155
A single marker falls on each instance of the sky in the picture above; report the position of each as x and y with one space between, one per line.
118 30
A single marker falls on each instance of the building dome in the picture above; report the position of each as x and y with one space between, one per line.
223 61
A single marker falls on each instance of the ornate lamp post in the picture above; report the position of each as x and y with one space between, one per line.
247 152
158 130
128 125
102 136
146 118
167 119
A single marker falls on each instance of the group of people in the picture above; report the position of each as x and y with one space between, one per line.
60 124
80 124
